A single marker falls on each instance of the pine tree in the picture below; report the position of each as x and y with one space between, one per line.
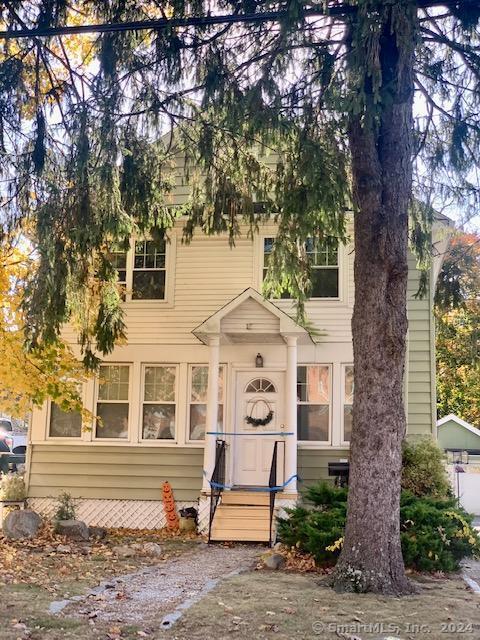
325 88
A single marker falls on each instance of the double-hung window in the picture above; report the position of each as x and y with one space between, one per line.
113 401
159 402
197 408
64 424
314 402
348 388
142 272
323 259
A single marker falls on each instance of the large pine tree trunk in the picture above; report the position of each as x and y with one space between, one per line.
381 149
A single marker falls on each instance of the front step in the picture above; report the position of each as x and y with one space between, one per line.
242 516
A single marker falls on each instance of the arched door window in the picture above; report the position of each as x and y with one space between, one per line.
260 385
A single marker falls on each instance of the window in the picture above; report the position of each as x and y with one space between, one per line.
347 402
159 402
260 385
198 401
313 402
113 401
64 424
149 270
323 259
118 260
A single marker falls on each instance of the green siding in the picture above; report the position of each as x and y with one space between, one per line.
88 471
452 435
420 374
313 464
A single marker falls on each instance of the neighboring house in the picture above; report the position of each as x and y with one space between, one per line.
461 441
196 324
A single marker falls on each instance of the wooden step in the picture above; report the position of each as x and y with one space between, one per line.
235 535
243 512
248 498
241 522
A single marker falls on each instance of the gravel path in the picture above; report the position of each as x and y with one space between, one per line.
157 595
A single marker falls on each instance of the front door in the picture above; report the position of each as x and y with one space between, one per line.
259 397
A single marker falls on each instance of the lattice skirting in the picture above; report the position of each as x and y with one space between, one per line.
130 514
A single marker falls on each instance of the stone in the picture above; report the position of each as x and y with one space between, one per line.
152 549
99 533
64 548
122 551
21 523
73 529
274 561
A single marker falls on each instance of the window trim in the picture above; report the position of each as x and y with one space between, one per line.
344 366
170 256
223 365
341 271
79 438
318 443
158 441
128 439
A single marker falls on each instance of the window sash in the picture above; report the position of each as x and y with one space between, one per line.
76 415
162 422
120 403
203 403
312 403
316 268
129 273
347 406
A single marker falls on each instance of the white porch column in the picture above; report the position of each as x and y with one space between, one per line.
212 409
291 414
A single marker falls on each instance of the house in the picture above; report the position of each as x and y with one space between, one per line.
197 330
461 441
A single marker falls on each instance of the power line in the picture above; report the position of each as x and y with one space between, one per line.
192 21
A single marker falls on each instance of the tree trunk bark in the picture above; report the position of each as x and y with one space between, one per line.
381 150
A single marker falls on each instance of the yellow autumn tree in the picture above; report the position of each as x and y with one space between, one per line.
29 377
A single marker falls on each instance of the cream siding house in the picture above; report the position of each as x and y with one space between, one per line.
196 323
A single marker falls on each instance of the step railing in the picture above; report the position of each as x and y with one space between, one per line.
273 486
217 481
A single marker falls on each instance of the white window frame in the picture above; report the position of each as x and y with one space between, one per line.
170 253
260 260
128 439
319 444
343 403
79 438
224 367
160 441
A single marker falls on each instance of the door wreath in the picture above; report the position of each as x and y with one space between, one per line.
259 422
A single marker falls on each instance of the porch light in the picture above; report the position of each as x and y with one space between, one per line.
259 361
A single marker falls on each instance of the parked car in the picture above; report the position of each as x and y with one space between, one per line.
13 447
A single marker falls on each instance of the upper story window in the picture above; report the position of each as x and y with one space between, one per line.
324 263
149 267
142 272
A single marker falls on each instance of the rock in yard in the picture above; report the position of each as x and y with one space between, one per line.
73 529
97 532
21 523
122 551
152 549
274 561
64 548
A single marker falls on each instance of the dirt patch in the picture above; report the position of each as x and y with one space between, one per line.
286 606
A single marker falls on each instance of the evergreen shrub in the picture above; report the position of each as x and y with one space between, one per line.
436 534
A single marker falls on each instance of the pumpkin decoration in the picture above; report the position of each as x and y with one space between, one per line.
169 506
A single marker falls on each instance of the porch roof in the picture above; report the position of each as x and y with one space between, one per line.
249 318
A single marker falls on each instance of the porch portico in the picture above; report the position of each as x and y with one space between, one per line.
263 399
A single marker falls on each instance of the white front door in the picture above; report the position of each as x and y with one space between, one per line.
258 392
